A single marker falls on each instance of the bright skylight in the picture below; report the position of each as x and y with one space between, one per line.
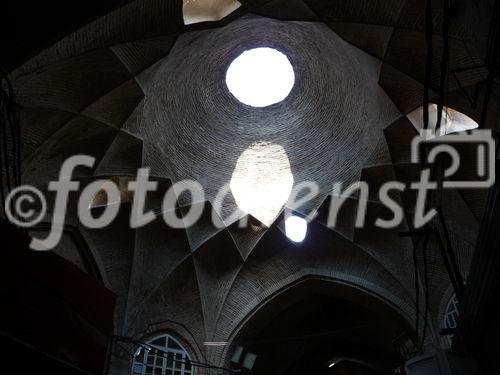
262 181
452 121
260 77
296 228
195 11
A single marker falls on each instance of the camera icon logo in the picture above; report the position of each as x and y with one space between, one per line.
471 157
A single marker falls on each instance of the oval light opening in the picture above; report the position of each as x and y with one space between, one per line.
260 77
296 228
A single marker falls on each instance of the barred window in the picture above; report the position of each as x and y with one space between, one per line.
451 315
163 355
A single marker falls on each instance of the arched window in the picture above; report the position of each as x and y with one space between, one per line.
452 121
170 358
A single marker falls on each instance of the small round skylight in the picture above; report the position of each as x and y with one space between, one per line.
296 228
260 77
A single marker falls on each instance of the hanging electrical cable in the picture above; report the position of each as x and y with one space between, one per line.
444 61
426 288
428 61
10 135
417 291
493 48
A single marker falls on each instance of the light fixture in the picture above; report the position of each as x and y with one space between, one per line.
260 77
243 358
296 228
336 360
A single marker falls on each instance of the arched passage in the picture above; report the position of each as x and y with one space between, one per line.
321 326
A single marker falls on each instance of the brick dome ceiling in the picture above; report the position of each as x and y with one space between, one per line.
329 125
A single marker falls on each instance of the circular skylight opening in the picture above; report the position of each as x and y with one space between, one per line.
296 228
260 77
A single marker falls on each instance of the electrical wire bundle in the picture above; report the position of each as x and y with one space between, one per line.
10 140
